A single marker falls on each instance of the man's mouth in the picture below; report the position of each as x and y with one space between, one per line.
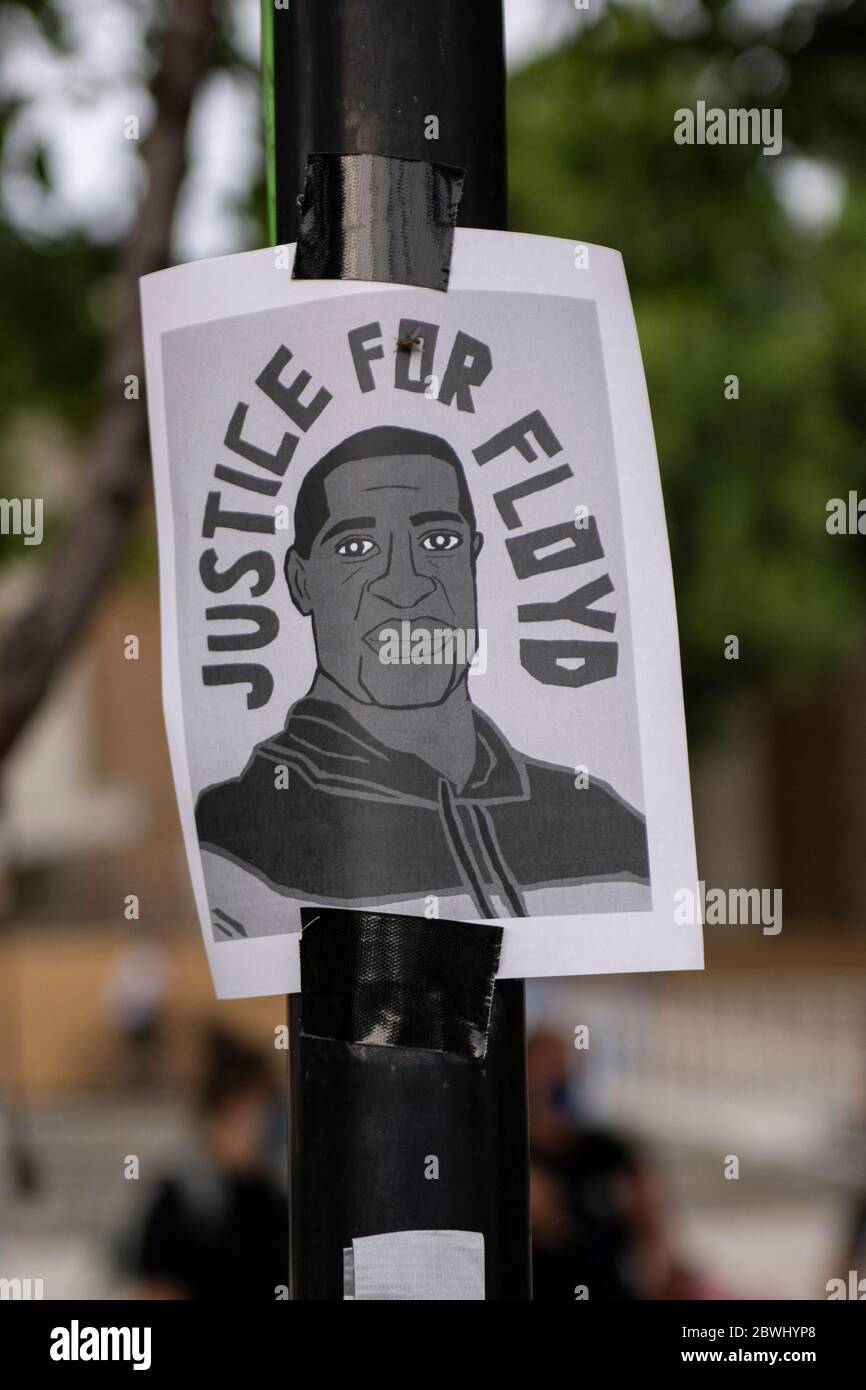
406 630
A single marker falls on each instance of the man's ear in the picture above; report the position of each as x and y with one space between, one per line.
296 578
477 542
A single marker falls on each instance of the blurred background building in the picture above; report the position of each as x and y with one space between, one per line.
740 264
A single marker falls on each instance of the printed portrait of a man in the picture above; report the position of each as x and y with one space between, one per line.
388 784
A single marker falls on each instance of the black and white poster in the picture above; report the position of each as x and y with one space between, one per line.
419 636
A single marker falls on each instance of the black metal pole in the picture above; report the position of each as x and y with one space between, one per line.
364 77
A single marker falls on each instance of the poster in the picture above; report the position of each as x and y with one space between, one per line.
419 634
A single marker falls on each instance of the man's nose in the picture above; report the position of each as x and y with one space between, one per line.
400 584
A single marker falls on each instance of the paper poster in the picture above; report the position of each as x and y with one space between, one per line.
419 636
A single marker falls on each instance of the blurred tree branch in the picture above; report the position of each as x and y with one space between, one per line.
37 640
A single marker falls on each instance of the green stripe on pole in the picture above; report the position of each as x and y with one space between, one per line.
268 100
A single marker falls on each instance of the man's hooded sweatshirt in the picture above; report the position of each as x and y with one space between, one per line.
326 813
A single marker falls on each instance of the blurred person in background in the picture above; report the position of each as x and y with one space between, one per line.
597 1218
135 999
217 1226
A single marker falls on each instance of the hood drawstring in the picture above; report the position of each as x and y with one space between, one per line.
511 891
462 852
466 861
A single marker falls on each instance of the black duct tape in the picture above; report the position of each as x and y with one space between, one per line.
372 977
368 217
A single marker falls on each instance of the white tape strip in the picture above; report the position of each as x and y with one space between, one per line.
420 1265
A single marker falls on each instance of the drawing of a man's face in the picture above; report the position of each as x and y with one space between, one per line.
396 546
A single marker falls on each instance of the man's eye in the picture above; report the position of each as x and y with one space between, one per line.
357 547
440 541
